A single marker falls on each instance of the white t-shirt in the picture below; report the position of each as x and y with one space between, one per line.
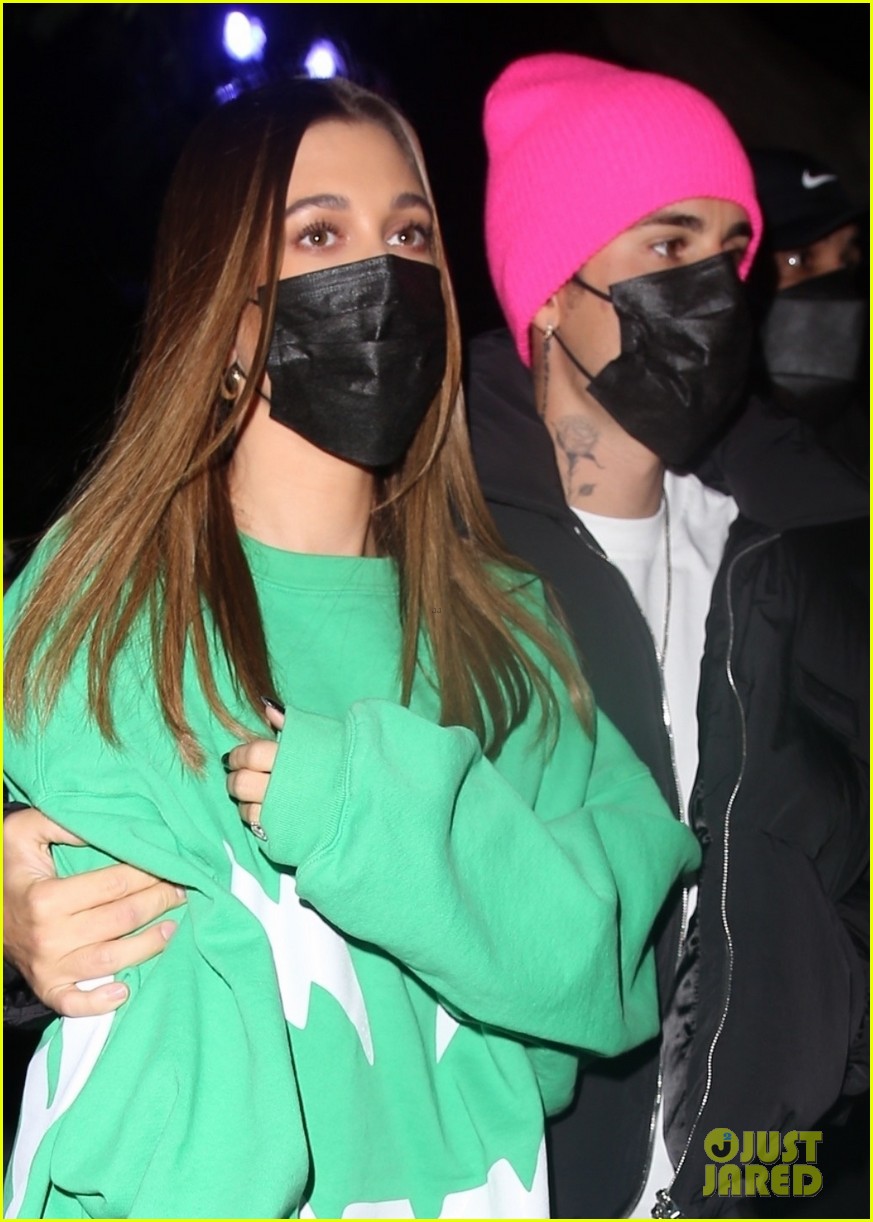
700 519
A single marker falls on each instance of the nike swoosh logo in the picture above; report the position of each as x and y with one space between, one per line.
811 181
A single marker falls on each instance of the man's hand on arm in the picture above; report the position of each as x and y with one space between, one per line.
60 931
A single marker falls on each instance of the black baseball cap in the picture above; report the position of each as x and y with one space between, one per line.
801 197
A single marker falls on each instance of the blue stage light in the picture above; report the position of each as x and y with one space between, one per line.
244 37
323 60
226 93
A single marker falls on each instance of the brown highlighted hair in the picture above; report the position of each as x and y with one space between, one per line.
150 532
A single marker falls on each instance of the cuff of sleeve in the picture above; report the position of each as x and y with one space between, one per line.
305 796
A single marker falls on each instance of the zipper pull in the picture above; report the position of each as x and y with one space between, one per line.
666 1206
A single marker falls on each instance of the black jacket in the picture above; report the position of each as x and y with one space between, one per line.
779 804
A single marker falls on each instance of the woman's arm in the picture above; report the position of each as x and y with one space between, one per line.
530 917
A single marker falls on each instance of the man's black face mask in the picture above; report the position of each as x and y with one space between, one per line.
813 339
686 338
357 355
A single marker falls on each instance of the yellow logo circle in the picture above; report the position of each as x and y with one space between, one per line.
721 1145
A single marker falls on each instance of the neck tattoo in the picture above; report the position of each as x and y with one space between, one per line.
576 438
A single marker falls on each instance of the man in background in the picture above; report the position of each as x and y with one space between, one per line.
813 304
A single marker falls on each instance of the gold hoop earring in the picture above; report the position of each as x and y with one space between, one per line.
231 383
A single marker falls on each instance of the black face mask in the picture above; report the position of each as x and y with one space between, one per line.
358 353
686 338
813 340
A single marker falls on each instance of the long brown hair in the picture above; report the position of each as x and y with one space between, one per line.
151 530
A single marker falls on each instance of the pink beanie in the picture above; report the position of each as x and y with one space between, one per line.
578 151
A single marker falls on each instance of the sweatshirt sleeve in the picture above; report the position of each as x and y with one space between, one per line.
533 918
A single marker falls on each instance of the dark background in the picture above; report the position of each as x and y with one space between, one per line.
99 99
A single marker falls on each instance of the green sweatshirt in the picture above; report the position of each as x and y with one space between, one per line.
371 1013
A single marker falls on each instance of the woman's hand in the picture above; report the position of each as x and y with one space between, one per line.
58 931
248 773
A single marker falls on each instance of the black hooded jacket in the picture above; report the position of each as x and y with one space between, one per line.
765 1022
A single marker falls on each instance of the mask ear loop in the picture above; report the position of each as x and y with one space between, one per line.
577 279
574 359
555 334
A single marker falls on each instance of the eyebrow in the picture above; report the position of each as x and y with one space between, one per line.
687 220
337 202
411 199
340 203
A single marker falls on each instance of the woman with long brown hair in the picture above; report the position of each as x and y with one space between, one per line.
437 886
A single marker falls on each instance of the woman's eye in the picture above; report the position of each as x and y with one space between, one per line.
412 237
317 236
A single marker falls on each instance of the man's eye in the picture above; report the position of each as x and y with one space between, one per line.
669 248
737 253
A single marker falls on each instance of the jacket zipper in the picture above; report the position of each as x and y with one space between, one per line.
667 720
683 929
666 1207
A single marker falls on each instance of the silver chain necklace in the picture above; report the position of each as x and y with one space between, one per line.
668 552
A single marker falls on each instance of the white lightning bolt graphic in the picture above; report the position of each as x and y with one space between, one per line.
446 1026
306 951
82 1041
501 1196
